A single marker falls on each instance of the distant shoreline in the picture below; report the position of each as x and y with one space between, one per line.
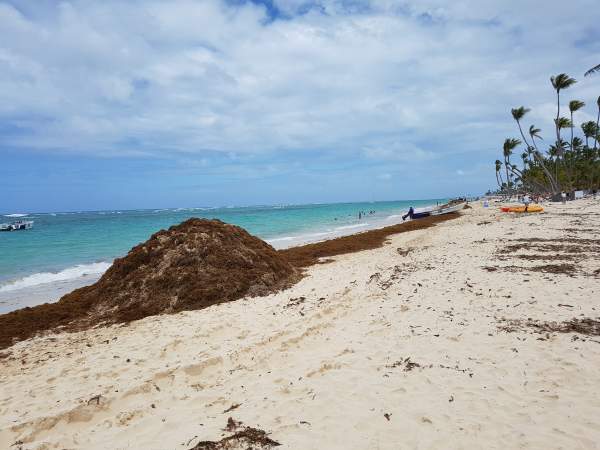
38 287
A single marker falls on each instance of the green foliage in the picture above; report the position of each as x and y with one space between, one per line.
562 165
519 113
575 105
562 81
562 122
534 132
509 145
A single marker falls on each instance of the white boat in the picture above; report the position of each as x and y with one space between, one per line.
447 208
17 225
452 206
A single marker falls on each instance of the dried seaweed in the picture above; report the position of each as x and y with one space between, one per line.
586 326
247 438
193 265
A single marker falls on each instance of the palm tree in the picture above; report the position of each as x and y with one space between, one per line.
509 145
589 130
565 165
574 105
592 70
498 174
560 82
561 123
518 114
535 133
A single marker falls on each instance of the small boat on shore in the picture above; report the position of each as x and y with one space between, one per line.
448 208
17 225
420 215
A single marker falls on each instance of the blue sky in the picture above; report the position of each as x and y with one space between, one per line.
231 102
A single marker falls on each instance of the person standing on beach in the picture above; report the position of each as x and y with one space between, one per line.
564 197
410 213
526 200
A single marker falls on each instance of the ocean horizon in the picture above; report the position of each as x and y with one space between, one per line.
67 250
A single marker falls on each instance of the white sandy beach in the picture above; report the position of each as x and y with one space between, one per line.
380 349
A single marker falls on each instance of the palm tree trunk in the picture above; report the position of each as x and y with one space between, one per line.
558 141
557 116
569 166
507 176
526 144
531 182
597 123
571 130
523 136
553 183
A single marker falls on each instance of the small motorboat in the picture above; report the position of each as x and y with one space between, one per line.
448 208
420 215
17 225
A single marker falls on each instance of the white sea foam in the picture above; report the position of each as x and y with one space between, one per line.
16 215
349 227
70 273
284 238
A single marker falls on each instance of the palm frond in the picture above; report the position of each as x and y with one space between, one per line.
575 105
534 132
562 122
519 112
589 128
562 81
509 145
592 70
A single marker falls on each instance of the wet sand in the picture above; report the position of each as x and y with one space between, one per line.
440 338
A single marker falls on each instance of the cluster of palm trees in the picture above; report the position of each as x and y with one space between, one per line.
569 163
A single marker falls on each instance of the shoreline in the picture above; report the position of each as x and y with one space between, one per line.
478 331
12 299
24 323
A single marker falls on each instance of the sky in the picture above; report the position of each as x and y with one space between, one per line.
143 104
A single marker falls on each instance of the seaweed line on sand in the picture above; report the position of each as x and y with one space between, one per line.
563 269
586 326
190 266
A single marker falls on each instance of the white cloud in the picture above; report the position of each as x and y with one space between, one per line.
388 80
397 151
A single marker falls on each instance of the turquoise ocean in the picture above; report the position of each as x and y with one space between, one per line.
69 249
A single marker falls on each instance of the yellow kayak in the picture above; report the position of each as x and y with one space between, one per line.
521 209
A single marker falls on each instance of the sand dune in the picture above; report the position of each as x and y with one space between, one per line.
426 342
